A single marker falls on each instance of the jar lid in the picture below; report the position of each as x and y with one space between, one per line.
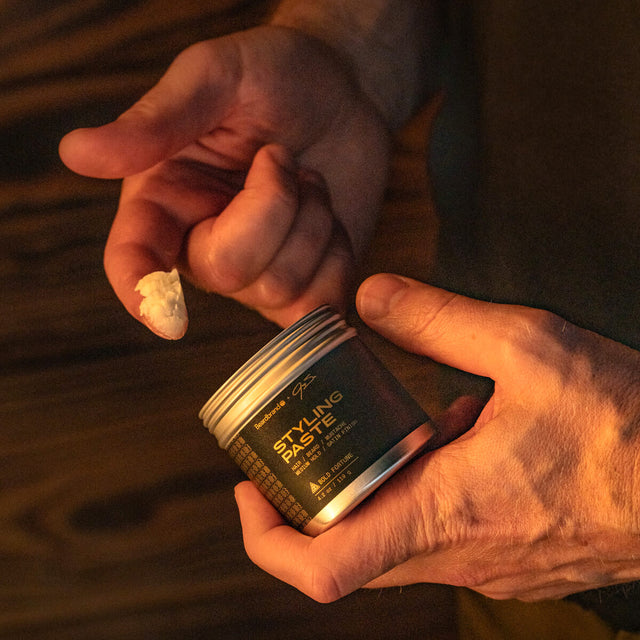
270 370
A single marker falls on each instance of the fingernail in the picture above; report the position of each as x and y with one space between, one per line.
378 294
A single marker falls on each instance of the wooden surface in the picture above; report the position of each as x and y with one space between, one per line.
117 517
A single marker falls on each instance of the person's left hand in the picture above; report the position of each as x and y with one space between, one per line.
539 499
256 166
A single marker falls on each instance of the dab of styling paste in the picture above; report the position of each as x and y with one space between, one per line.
316 421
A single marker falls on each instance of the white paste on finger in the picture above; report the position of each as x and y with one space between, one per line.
163 305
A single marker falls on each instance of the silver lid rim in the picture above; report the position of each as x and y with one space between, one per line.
270 370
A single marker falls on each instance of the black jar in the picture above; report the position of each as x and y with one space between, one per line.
316 421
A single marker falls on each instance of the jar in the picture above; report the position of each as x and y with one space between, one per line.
316 421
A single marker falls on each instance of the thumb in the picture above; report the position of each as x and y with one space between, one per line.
467 334
382 532
185 104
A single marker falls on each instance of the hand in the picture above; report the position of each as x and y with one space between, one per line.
539 499
255 165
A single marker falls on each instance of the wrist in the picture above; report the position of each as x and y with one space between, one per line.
387 44
617 493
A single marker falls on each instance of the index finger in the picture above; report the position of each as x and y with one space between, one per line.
156 210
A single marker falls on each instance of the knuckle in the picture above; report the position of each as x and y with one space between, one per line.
323 586
421 322
540 325
281 287
544 339
313 238
479 579
279 196
224 272
196 57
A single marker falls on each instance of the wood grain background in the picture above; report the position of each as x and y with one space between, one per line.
117 517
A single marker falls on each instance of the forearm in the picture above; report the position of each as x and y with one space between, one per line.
389 44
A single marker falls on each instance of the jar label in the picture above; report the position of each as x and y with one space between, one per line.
323 430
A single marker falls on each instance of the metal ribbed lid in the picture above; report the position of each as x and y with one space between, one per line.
270 370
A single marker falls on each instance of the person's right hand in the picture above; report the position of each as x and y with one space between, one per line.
537 500
255 165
